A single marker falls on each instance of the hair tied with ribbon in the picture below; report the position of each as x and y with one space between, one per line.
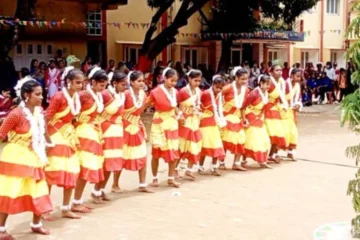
216 76
234 71
66 71
93 71
110 75
165 71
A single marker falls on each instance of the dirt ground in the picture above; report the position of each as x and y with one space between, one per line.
286 203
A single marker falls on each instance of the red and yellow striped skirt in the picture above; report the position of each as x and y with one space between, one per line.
64 165
90 153
113 138
164 136
23 187
190 140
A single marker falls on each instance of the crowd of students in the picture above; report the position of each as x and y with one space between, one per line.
93 127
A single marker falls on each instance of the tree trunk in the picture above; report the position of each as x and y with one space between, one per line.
153 47
224 62
9 38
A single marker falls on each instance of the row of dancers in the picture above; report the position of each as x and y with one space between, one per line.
85 135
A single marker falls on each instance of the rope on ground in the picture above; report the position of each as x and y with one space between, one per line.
326 163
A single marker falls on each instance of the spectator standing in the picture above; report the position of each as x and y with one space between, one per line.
286 70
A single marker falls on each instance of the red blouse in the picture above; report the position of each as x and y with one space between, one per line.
16 122
160 101
58 103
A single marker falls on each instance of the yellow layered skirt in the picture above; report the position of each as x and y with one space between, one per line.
23 186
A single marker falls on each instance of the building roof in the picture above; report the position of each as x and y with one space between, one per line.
105 4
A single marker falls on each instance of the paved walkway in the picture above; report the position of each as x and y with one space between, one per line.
286 203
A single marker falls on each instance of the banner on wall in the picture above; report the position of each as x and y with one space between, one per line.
260 34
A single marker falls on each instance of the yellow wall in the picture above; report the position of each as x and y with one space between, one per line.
332 41
138 12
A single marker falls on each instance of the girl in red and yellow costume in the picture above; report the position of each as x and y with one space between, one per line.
293 93
88 131
23 185
64 166
273 110
190 140
164 129
112 128
257 145
134 150
211 122
233 135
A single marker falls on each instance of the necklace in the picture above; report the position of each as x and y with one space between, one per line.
119 97
172 97
197 100
218 111
37 128
97 97
239 100
75 106
139 102
281 91
265 97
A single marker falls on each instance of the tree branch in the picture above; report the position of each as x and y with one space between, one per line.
203 16
155 19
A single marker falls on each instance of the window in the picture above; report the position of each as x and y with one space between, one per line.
132 54
30 49
236 56
273 56
304 58
334 57
332 6
94 26
19 49
39 49
49 50
190 56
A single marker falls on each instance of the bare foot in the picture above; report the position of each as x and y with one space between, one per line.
222 166
201 171
70 215
265 165
145 190
97 200
173 183
177 175
41 231
190 175
6 236
47 217
117 190
291 157
155 183
216 172
275 160
105 198
238 168
80 208
244 164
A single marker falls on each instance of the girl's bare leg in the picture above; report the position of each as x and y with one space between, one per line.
154 170
189 171
66 207
47 216
215 167
171 175
3 234
274 157
291 154
115 187
78 205
237 165
201 165
103 183
37 227
142 179
177 169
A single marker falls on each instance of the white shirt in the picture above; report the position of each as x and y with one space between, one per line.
330 73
